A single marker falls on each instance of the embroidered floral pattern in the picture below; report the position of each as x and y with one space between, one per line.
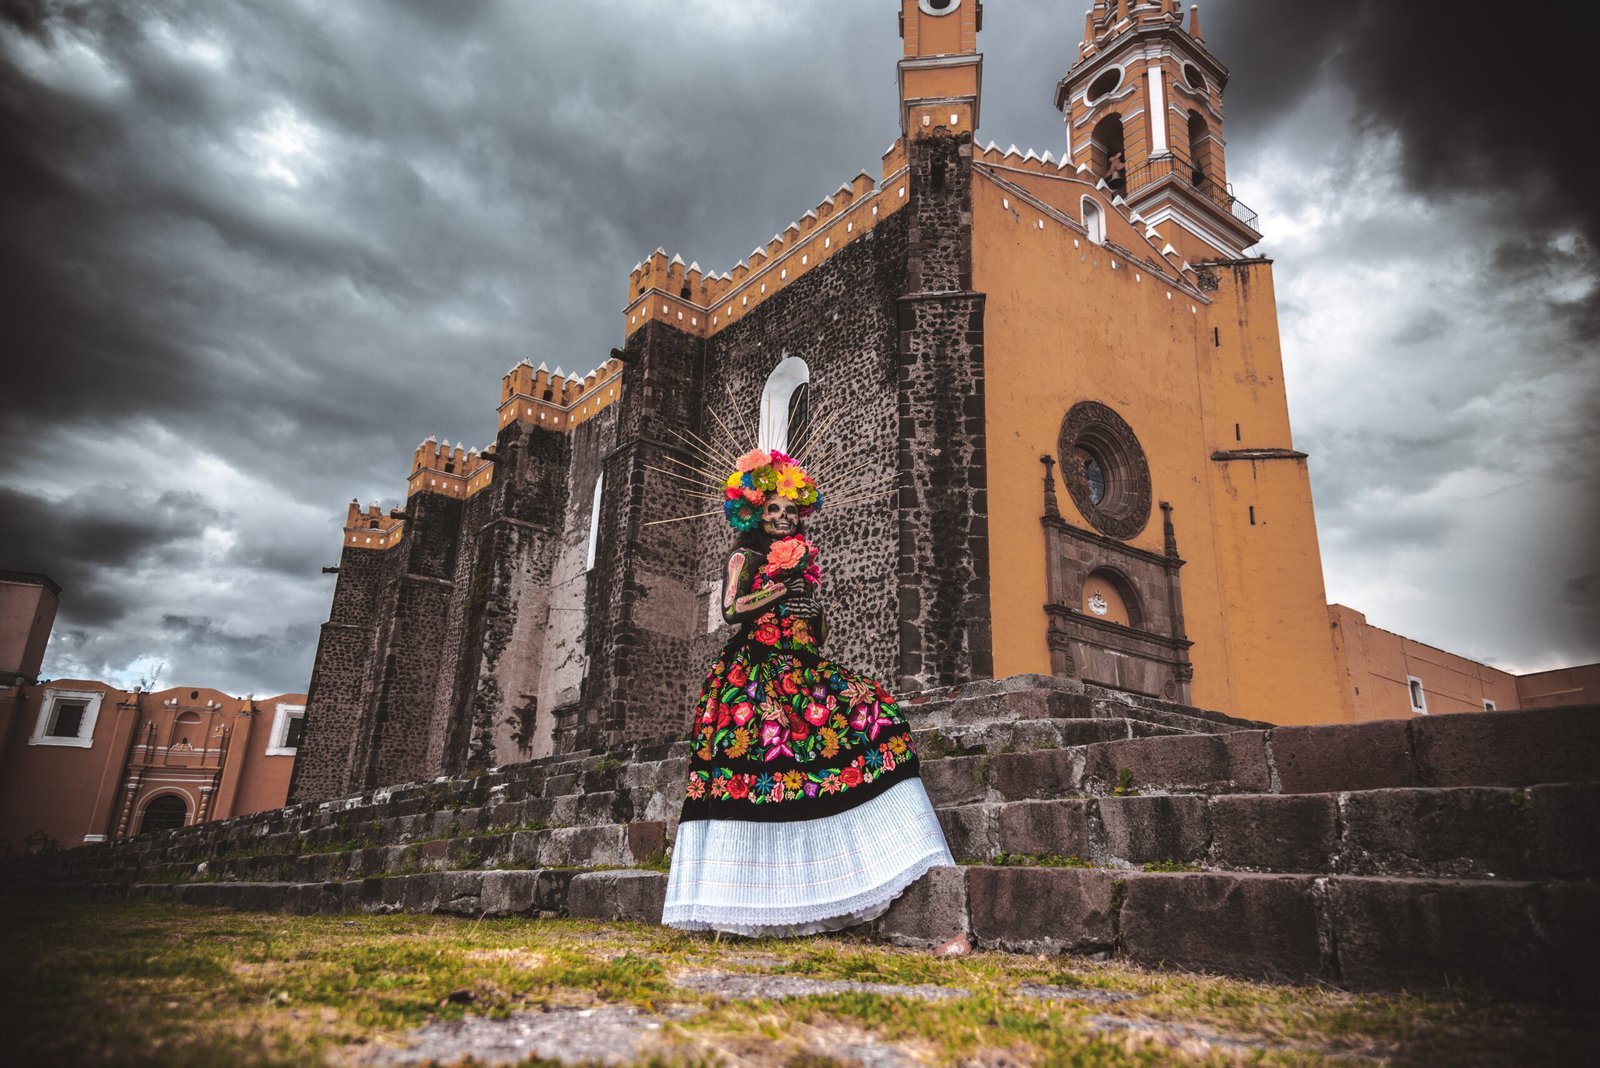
777 723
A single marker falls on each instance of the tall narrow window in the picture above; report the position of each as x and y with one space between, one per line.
1419 699
1094 221
594 520
785 405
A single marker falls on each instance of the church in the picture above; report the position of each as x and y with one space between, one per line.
1042 393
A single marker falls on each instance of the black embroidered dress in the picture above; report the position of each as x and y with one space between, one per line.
803 810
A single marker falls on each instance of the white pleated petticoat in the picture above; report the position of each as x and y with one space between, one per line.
805 876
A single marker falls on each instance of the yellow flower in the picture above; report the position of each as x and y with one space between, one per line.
735 480
741 743
792 780
788 482
830 743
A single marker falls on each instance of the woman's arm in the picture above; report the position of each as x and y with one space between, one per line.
739 603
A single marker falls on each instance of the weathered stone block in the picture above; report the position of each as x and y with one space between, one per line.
1393 933
507 893
1508 748
645 840
956 780
1053 827
618 895
1569 913
932 910
1040 774
1446 832
1566 821
1355 756
1275 832
1163 827
1233 762
970 831
1262 926
1041 910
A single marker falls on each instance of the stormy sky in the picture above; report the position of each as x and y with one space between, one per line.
252 253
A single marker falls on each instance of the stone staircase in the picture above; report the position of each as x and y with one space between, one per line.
1379 855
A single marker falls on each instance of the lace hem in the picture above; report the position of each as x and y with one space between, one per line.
805 876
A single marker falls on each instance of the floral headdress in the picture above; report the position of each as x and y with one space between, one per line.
760 475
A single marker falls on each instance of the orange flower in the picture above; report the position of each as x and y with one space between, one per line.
785 555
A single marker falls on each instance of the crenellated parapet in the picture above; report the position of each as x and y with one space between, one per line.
371 529
1156 250
667 290
555 400
453 470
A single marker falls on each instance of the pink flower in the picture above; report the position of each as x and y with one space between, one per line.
781 458
816 714
753 459
755 496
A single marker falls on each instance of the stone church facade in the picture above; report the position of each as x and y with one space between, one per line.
1063 373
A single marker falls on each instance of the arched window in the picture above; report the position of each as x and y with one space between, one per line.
594 520
1106 152
785 405
1200 170
165 813
1094 221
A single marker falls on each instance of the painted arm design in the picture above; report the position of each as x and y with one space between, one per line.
740 604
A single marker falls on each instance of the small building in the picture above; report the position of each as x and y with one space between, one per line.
84 761
1389 676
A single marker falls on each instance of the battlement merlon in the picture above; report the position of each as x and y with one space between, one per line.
554 400
371 529
663 290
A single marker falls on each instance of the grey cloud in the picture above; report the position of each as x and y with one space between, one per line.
82 540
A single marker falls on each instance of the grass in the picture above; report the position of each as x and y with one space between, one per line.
136 984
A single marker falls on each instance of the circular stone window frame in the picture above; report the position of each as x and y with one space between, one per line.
927 8
1091 98
1097 429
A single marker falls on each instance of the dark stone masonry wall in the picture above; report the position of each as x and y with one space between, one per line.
838 318
943 500
644 587
483 638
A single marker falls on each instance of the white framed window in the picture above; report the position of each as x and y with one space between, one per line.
1488 705
594 521
783 404
1419 697
288 727
67 717
1094 221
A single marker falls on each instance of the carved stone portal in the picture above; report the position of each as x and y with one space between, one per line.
1115 613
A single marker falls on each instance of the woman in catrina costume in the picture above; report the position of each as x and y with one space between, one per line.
803 811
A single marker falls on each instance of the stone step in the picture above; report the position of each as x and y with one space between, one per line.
1022 697
966 739
1519 939
633 895
1525 940
1455 832
611 845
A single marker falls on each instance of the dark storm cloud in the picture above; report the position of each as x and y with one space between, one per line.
84 540
253 252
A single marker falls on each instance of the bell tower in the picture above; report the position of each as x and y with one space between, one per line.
941 71
1143 108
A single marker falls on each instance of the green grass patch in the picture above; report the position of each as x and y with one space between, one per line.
159 983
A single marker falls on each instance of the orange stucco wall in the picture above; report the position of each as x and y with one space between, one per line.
201 744
1067 320
1377 664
